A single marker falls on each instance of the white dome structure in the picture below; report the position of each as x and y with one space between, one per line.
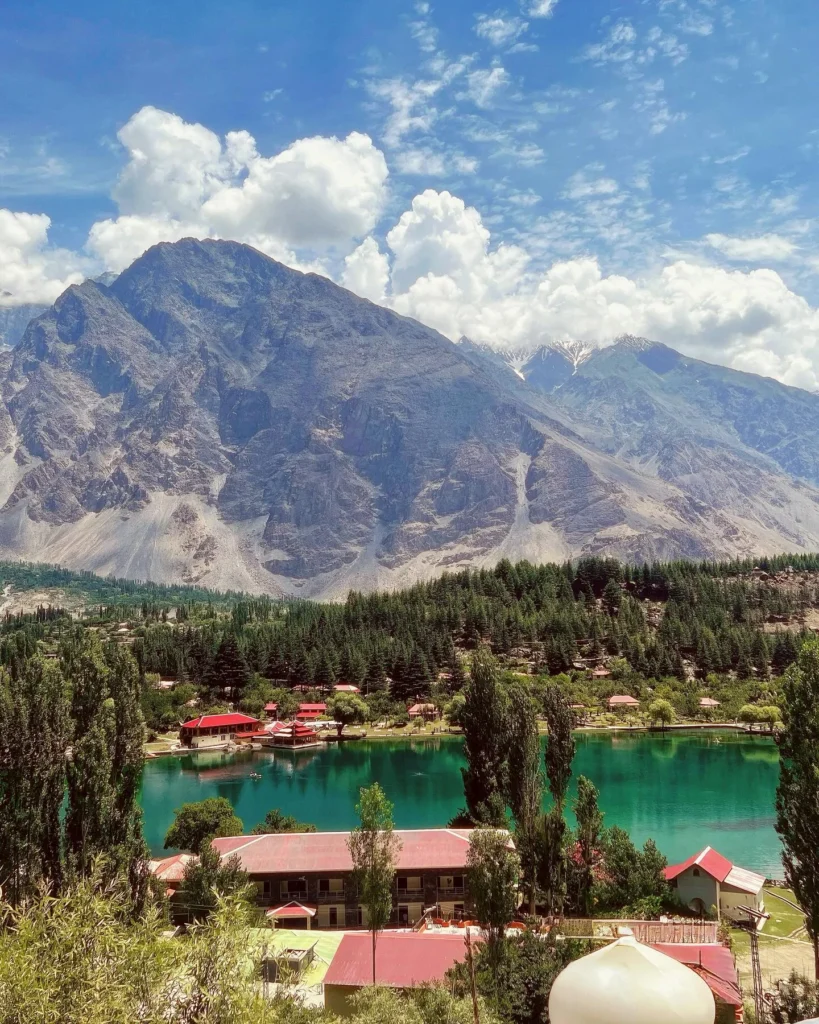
629 983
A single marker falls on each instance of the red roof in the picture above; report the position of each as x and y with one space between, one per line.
708 702
287 729
271 706
712 863
346 688
713 963
420 709
312 707
401 960
210 721
623 699
306 852
171 869
292 909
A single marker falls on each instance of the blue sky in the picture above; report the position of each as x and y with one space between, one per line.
517 173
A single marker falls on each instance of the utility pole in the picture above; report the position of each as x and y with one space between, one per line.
471 964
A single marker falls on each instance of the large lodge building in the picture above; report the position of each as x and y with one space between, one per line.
305 879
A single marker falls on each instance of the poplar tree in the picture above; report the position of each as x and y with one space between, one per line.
559 754
374 850
104 769
797 796
34 731
589 833
484 720
90 766
525 783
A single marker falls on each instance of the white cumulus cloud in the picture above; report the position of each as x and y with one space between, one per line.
182 179
30 269
445 271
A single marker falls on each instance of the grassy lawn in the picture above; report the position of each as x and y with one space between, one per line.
163 742
784 920
777 955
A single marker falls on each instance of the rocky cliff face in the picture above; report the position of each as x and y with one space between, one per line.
214 416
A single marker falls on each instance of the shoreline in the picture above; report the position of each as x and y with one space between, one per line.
423 736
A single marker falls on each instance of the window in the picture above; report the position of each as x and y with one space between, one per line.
334 917
324 885
696 872
267 887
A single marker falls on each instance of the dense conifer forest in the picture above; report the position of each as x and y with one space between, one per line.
676 630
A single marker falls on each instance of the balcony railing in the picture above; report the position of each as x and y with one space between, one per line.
331 896
410 894
299 895
456 892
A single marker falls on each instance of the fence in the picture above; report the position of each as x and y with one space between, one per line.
688 931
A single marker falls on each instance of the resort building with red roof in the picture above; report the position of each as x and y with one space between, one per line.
218 730
309 712
314 871
707 879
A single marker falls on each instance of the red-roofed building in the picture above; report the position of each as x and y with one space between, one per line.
308 712
315 869
218 730
346 688
402 961
707 879
289 734
271 710
715 965
623 702
425 711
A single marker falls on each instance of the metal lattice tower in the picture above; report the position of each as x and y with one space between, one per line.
752 927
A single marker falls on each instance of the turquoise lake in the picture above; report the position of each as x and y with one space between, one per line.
685 790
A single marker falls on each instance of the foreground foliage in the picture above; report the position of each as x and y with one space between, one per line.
80 958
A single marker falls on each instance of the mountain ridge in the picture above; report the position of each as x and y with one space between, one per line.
214 417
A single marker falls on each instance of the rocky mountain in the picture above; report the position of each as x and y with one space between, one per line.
214 416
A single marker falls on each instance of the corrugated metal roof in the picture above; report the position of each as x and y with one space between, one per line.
742 878
312 852
713 963
401 960
709 860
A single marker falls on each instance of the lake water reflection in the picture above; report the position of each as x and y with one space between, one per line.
683 789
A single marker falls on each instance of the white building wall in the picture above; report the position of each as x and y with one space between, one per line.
691 887
731 900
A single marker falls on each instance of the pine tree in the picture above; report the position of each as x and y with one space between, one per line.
229 671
